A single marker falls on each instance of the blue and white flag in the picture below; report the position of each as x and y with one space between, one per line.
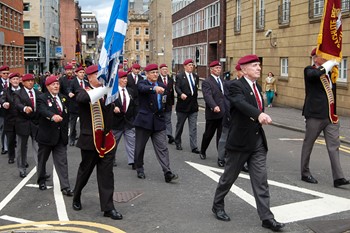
112 47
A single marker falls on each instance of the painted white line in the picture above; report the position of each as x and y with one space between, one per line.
322 204
37 186
59 201
21 220
13 193
291 139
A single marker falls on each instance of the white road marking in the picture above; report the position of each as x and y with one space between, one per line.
20 220
291 139
37 186
59 201
13 193
322 204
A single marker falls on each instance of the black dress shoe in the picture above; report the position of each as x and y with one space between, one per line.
221 163
169 176
113 214
196 151
202 156
68 192
178 147
71 143
340 182
132 166
245 168
309 179
221 215
27 165
171 140
22 174
272 224
77 205
4 152
11 161
141 175
42 186
115 164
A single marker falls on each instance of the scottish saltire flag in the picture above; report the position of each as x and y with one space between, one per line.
112 47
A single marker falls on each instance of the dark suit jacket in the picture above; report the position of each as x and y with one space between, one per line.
86 140
213 97
26 124
170 99
316 101
245 128
125 120
51 133
2 89
131 84
190 104
74 85
149 116
11 113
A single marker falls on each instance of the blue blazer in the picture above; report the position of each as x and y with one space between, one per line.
149 115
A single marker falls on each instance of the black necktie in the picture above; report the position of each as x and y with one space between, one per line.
219 84
192 84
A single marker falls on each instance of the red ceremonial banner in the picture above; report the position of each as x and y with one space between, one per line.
329 41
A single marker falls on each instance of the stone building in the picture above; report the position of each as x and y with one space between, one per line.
89 37
283 33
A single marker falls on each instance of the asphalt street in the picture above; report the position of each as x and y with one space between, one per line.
184 206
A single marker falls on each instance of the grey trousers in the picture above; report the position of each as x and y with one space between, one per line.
235 160
129 142
331 133
192 127
222 143
22 150
168 124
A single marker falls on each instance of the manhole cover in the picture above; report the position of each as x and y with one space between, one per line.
124 197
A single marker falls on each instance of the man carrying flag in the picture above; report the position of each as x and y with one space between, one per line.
320 89
96 140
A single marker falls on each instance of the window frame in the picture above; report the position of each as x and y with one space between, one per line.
284 66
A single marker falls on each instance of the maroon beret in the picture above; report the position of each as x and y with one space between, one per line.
214 63
136 66
122 74
238 67
91 69
313 52
12 75
188 61
68 67
4 68
79 69
151 67
248 59
27 77
162 65
51 79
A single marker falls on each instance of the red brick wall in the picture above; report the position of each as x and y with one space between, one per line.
14 40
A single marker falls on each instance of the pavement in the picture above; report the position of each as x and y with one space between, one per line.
291 118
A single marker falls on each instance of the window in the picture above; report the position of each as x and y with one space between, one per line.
237 19
345 5
26 24
137 31
343 70
26 6
284 66
137 45
5 17
147 45
284 12
146 31
260 18
318 7
11 19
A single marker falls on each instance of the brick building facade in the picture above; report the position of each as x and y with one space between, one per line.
11 35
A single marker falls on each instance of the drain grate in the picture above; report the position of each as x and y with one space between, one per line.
123 197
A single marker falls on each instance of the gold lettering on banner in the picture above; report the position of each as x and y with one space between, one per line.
334 25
